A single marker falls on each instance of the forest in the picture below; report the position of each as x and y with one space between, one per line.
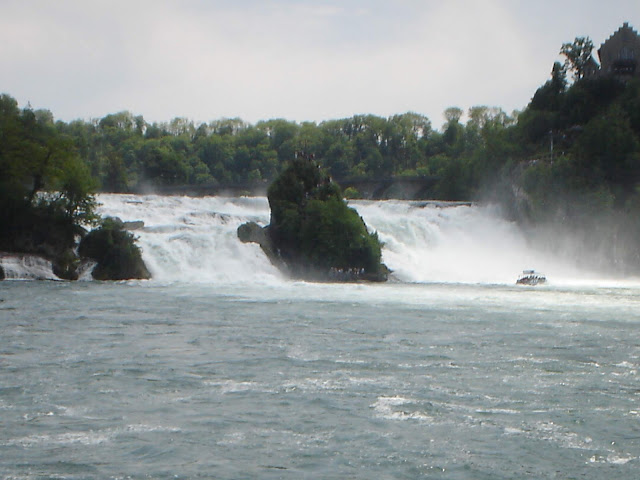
593 126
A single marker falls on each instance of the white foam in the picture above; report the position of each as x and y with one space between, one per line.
553 432
612 459
233 386
390 408
69 438
26 267
144 428
512 431
459 244
194 239
626 364
90 437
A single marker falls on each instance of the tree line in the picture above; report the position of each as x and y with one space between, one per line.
124 152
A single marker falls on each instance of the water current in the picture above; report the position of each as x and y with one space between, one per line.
221 368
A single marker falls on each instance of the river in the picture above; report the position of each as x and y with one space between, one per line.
221 368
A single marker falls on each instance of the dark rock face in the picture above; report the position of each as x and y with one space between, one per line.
251 232
1 273
115 251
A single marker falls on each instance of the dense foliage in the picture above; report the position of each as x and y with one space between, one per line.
45 186
315 231
126 153
46 199
594 128
123 152
115 251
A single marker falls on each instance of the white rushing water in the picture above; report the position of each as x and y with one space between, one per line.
26 267
194 240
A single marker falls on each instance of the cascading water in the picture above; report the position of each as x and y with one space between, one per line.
26 267
194 240
453 243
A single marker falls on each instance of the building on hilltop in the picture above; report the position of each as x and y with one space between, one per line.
620 54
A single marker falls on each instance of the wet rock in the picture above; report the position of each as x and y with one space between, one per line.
65 265
251 232
133 225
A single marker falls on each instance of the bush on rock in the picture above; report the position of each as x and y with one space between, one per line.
315 232
115 251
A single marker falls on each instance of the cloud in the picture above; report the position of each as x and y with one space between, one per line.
301 60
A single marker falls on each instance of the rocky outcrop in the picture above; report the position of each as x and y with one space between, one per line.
313 234
133 225
115 252
65 265
251 232
108 253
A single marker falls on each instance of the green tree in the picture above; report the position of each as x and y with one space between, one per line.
115 251
161 164
314 229
609 150
452 115
46 190
339 158
550 95
578 55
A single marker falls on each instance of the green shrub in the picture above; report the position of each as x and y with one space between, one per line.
315 231
352 192
115 251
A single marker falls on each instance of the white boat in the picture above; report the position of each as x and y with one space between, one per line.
531 277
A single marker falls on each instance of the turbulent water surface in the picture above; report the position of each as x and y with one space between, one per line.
221 368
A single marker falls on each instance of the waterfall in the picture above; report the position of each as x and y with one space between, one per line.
26 267
189 239
449 242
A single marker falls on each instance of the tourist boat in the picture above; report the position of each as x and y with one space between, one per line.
531 277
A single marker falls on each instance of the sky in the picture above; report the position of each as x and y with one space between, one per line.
301 60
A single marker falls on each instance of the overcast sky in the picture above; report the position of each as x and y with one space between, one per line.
294 59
